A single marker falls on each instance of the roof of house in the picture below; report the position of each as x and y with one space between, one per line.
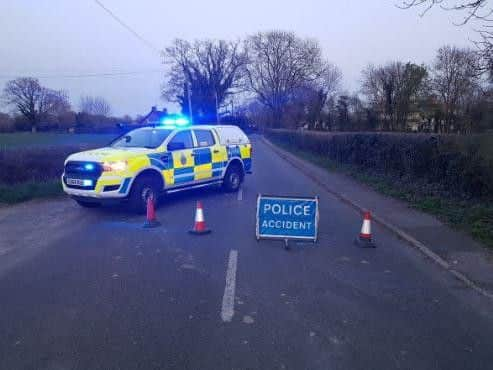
154 116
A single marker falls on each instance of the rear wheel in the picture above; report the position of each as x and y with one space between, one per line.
143 188
88 204
232 178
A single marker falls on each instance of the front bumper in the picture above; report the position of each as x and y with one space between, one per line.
106 187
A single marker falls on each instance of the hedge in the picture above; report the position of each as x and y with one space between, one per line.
450 163
34 164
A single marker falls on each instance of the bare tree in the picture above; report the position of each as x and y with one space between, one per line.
475 9
454 78
392 89
280 64
308 102
324 87
101 106
86 104
34 101
479 11
207 71
97 106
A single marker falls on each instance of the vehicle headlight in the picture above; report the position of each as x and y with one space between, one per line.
115 166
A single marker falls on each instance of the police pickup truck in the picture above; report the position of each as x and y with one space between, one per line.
149 161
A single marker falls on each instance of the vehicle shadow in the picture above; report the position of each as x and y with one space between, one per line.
122 207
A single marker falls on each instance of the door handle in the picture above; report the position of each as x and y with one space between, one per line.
215 151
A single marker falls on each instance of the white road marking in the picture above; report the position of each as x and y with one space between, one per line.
228 306
240 194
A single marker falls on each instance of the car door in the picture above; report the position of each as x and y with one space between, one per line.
181 148
203 152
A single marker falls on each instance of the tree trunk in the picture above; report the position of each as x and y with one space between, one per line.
277 115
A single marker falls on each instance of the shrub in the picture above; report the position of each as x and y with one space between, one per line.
444 161
6 123
33 164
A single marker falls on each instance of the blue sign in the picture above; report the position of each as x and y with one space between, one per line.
287 218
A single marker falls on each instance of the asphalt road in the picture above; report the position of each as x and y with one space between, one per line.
92 289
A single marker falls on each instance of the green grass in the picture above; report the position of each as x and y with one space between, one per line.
472 216
11 194
28 139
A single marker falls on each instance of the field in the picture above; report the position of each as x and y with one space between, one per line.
27 139
31 164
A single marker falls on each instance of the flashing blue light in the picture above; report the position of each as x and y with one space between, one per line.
175 120
168 121
89 166
182 121
86 182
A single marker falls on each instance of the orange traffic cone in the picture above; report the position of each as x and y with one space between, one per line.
151 220
364 239
199 227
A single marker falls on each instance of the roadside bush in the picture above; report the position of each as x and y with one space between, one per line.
33 164
441 162
6 123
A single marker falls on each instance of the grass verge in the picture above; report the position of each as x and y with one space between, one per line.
472 216
10 194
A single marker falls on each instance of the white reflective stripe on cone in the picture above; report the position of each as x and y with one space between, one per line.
366 228
199 216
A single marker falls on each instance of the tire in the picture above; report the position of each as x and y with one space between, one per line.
86 204
233 178
142 188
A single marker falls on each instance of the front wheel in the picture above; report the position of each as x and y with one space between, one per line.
232 178
143 188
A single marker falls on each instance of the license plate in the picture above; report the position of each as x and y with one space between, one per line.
75 182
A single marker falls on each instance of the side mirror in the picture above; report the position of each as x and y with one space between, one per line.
176 146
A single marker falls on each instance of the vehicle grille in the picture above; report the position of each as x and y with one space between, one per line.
77 170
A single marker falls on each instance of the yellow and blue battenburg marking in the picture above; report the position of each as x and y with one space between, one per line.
189 165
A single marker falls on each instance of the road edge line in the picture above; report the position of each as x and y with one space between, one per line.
401 234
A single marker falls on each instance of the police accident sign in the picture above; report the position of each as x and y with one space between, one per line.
281 217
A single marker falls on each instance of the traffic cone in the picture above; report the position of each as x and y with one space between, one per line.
151 220
364 239
199 227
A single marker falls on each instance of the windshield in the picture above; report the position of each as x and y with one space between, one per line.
142 138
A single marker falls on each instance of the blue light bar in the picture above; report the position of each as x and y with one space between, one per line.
175 120
168 121
182 121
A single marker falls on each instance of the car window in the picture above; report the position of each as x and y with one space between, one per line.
204 138
184 137
142 138
231 135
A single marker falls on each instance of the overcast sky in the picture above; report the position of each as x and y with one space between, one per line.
56 38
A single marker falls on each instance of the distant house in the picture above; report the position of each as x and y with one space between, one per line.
154 117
